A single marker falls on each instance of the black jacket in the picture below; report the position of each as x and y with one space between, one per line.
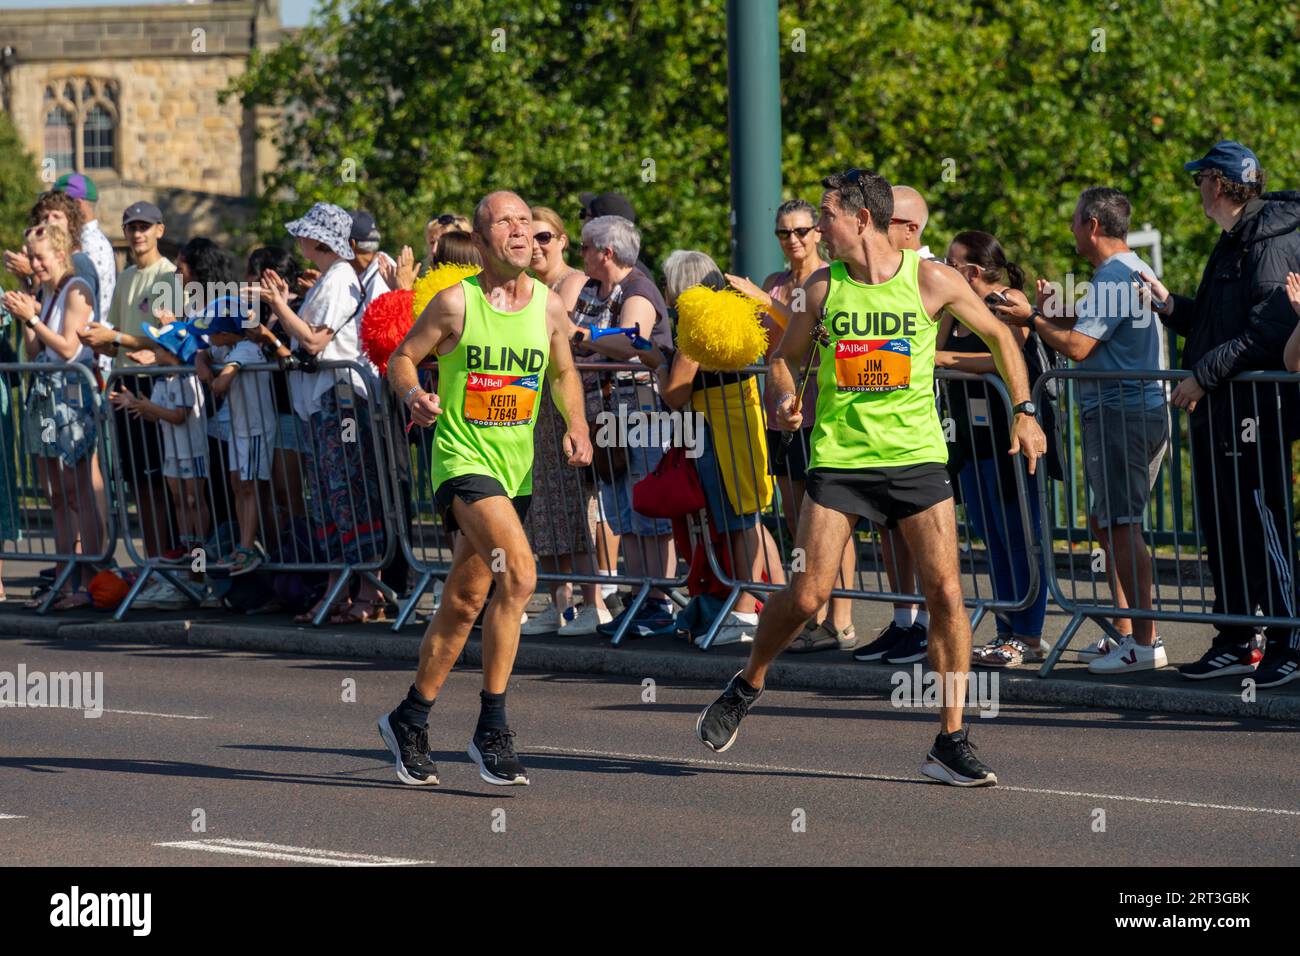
1240 319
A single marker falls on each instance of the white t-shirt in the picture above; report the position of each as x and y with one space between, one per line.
334 302
252 408
188 440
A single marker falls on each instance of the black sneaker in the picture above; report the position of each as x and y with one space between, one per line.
1224 660
410 745
494 752
1280 666
888 638
951 761
910 648
719 723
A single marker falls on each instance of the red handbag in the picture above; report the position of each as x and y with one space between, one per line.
672 490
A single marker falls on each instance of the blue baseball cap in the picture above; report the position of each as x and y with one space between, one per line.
226 314
179 338
1237 163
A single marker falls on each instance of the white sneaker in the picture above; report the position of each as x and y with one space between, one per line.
160 595
1131 656
1098 648
544 622
587 620
733 631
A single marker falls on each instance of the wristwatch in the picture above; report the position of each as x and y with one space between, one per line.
1026 408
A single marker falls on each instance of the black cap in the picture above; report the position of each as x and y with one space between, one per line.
142 212
363 227
607 204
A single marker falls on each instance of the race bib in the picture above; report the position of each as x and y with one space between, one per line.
500 399
873 365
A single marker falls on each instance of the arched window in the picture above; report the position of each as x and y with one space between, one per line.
97 139
59 139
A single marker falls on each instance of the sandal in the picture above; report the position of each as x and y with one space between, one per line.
1008 652
37 599
306 617
822 637
73 600
245 560
361 612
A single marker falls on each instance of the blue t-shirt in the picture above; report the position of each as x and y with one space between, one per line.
1127 339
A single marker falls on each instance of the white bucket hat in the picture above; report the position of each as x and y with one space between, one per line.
327 223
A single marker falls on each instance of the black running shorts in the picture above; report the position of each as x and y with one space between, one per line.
472 488
882 495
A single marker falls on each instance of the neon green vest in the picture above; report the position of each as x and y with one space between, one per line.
876 407
489 386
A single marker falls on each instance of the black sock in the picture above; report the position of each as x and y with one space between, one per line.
745 687
414 709
492 712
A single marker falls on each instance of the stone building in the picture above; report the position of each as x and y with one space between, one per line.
129 95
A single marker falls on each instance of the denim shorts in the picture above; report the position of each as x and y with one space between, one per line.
721 513
615 498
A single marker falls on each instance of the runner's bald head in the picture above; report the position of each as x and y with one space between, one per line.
910 205
489 204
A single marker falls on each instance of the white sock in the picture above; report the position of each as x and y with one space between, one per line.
904 616
750 618
923 618
606 589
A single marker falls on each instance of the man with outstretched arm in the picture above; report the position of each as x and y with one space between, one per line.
877 447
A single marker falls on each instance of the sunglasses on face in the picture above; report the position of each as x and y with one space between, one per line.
543 238
1199 177
784 234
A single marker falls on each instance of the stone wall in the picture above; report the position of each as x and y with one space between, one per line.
176 143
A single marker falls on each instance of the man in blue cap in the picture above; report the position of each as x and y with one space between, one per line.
1241 433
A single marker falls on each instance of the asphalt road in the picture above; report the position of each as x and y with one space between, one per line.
285 771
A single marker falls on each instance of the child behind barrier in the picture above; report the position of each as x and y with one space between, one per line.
252 425
176 404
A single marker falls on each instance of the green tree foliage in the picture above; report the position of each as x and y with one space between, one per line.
18 189
999 111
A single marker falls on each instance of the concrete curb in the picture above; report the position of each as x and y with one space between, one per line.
639 664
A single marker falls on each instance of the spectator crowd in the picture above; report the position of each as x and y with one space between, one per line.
246 420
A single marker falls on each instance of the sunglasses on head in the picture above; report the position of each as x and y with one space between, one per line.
784 234
34 232
446 219
900 222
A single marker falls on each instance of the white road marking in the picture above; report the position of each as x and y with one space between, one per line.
110 710
885 778
11 816
292 854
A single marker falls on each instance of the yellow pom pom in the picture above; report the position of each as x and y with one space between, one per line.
720 330
440 277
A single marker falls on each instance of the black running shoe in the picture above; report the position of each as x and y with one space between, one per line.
911 648
1280 666
888 638
494 752
952 761
720 721
410 745
1224 660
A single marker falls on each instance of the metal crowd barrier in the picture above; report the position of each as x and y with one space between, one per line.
42 501
564 523
879 555
1239 568
317 493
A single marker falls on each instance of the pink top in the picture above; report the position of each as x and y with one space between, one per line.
781 289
